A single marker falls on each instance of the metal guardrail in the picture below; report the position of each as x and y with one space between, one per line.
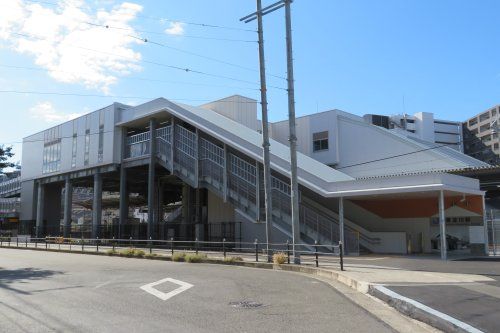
250 252
9 186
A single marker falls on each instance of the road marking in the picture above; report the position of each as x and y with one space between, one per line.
149 288
464 326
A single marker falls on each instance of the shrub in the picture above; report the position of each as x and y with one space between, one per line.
130 252
233 259
279 258
179 256
193 257
111 252
138 253
150 255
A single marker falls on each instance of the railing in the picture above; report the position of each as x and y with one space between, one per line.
9 186
137 145
326 255
9 205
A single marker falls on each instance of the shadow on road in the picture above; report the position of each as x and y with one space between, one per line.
23 275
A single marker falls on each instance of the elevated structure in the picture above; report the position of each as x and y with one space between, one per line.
210 159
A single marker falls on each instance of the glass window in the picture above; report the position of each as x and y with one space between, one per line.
320 141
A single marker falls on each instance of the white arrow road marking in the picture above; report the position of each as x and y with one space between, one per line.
149 288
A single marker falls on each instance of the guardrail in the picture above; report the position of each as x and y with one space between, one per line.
327 255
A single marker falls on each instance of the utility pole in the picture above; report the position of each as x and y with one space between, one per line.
265 127
291 118
293 135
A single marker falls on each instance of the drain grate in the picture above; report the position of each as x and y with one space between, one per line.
246 304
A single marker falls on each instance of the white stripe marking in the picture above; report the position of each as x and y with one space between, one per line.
149 288
454 321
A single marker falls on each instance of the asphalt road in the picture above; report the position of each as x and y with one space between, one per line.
477 304
45 292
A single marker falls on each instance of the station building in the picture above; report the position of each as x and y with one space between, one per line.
164 169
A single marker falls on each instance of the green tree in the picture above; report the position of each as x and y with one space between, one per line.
5 154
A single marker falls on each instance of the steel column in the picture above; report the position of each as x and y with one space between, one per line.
68 203
442 226
151 179
341 221
39 209
97 205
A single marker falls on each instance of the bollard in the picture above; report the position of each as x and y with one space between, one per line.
82 244
150 246
1 241
224 247
26 241
97 244
70 241
316 252
130 241
17 241
256 250
341 254
196 245
9 241
36 243
46 246
113 243
288 251
172 245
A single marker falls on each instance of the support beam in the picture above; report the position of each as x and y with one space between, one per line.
97 206
151 179
442 226
341 223
124 201
224 174
68 203
39 210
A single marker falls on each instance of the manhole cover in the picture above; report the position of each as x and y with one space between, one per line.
246 304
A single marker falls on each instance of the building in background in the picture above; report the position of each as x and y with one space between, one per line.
481 136
423 126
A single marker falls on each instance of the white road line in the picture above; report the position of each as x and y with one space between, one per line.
149 288
466 327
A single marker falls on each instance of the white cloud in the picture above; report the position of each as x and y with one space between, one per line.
175 28
45 111
61 41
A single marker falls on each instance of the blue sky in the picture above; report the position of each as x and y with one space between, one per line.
359 56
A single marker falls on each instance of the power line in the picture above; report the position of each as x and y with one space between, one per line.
147 40
33 92
134 78
164 34
186 69
205 25
400 155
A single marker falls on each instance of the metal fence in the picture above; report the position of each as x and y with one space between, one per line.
324 255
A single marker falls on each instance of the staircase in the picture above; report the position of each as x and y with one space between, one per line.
201 161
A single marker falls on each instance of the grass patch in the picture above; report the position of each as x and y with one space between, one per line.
151 255
279 258
193 257
179 256
131 252
111 252
233 259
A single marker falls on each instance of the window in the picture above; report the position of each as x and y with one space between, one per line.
484 116
52 150
100 150
320 141
87 141
484 128
473 122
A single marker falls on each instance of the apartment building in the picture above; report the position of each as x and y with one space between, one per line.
481 136
382 190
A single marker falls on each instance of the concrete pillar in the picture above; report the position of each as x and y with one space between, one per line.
39 210
151 179
97 206
442 226
186 203
68 203
124 201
